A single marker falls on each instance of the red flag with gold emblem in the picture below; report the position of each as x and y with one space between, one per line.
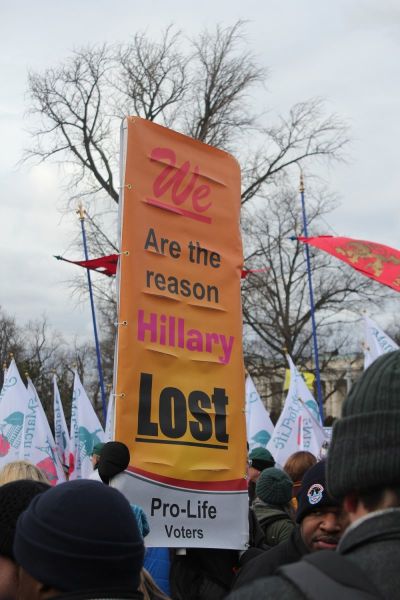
376 261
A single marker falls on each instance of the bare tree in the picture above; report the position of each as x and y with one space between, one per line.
306 134
10 341
151 77
40 352
224 72
203 91
74 126
276 304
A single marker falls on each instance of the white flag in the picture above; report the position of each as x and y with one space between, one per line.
86 432
61 434
13 406
109 428
377 342
259 425
298 427
38 442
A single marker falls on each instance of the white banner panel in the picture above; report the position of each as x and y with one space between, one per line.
187 518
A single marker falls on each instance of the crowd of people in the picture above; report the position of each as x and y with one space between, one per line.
318 529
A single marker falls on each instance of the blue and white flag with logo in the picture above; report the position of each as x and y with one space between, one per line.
259 425
39 446
86 432
61 434
13 406
377 342
299 425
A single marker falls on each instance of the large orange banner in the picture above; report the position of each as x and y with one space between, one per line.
179 375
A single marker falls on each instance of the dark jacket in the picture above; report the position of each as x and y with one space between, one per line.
373 543
202 573
266 563
275 521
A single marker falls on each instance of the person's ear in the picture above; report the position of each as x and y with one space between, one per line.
45 592
350 502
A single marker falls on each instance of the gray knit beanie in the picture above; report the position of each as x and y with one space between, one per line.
274 487
365 448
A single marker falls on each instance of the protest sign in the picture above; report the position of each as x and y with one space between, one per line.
179 375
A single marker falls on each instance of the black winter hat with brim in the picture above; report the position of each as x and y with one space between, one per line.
114 459
313 494
79 536
365 448
261 458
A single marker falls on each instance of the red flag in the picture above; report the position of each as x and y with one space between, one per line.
376 261
105 264
246 272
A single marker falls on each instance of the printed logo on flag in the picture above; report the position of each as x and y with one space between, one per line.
8 383
87 441
261 438
47 465
11 432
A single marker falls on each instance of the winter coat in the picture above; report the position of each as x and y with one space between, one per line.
275 521
202 574
270 560
157 563
372 542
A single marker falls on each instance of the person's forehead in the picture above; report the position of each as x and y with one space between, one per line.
326 509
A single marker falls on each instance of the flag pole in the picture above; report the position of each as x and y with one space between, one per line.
81 212
312 306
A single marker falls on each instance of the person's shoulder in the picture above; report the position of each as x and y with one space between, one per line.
273 588
262 566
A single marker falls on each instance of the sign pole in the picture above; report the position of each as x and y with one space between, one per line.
312 305
81 212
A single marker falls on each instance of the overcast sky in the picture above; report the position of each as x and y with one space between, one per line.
345 51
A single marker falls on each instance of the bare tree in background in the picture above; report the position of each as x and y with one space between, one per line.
276 305
202 90
11 341
40 352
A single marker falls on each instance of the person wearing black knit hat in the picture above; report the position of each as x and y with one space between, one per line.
320 524
114 459
79 540
14 499
363 471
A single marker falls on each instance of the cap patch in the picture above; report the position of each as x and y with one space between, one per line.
314 493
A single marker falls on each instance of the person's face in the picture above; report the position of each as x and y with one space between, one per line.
253 474
27 586
95 459
8 579
323 528
31 589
